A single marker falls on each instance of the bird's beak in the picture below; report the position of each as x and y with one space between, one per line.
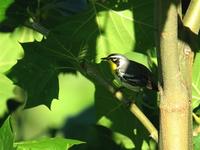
104 59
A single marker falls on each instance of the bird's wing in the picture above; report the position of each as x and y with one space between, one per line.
135 80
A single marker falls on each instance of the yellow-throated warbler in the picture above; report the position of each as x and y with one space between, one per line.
130 74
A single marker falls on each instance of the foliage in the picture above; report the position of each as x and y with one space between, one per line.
196 82
46 143
6 135
44 48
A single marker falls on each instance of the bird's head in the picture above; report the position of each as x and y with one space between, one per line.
115 60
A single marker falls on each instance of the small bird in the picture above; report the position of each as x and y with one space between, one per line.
130 74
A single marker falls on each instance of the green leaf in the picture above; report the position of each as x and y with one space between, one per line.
11 51
37 74
124 26
124 140
6 92
196 82
77 35
119 119
149 61
6 136
138 57
37 71
3 7
75 107
116 34
14 15
196 142
24 35
99 30
47 144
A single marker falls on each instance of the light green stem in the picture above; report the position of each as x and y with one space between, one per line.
192 16
145 121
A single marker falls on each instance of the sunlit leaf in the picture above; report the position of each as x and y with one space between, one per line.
24 34
196 82
6 92
123 140
11 51
138 57
116 32
123 28
47 143
6 136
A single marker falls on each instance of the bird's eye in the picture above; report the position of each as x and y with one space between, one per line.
114 60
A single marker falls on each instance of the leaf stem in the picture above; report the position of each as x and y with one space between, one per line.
192 16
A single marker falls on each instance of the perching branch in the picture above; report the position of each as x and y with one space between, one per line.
92 72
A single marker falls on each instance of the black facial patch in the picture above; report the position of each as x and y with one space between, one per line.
115 60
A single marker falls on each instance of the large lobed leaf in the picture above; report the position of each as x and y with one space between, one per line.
37 74
124 26
66 45
98 28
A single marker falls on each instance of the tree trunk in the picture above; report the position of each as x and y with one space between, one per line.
175 102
